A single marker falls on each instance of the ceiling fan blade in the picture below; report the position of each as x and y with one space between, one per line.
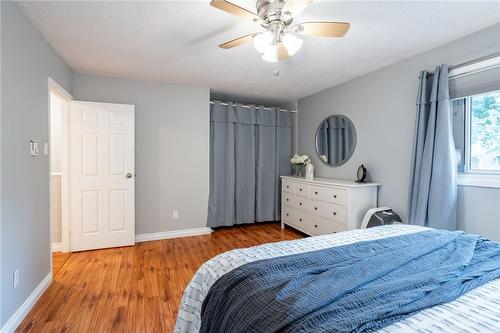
323 29
233 9
237 41
282 52
295 7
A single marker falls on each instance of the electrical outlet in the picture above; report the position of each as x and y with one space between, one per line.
175 215
15 277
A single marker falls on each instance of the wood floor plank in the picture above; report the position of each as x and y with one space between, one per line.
136 288
58 260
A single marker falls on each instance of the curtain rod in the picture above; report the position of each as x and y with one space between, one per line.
248 107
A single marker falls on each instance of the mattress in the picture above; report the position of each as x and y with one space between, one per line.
476 311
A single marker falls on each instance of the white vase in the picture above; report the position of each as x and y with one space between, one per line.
309 171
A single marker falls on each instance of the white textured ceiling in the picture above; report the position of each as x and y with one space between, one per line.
176 41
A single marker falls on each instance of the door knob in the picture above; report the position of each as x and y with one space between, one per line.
129 175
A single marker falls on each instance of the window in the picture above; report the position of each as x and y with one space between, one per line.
476 127
484 129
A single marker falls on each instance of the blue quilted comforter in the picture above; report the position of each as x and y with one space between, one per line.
359 287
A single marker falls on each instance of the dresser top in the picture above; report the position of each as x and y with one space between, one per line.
331 181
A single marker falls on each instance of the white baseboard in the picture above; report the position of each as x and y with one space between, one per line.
172 234
20 314
57 247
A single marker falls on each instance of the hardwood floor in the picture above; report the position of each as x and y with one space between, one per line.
58 260
136 288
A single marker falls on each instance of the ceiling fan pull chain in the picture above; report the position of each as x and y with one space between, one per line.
276 63
276 66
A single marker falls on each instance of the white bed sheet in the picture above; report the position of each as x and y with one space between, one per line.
476 311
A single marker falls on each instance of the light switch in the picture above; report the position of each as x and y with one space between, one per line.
34 147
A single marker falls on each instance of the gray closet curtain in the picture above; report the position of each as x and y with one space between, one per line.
432 194
249 149
335 138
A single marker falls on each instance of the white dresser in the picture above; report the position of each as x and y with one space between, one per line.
324 206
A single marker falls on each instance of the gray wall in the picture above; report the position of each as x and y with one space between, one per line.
171 147
479 211
382 106
27 61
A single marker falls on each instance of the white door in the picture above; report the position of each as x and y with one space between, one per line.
101 175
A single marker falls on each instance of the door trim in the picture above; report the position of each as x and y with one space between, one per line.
57 89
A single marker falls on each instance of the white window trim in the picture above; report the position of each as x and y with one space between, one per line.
478 180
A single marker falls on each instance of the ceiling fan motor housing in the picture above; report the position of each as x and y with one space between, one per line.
272 11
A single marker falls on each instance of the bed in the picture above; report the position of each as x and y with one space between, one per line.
478 310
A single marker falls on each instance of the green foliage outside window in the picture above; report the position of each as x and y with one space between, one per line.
485 131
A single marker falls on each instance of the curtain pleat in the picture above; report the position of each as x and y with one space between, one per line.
432 194
249 149
284 143
245 154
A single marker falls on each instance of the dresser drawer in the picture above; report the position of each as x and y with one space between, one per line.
295 200
286 213
287 186
328 210
336 195
297 218
299 189
321 226
295 188
318 192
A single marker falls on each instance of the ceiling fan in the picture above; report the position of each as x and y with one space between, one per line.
279 40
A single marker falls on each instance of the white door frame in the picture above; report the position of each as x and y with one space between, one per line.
57 89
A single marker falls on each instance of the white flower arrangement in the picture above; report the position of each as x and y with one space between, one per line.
300 160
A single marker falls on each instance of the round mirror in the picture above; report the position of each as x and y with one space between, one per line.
335 140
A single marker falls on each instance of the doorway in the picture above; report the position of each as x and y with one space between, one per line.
91 172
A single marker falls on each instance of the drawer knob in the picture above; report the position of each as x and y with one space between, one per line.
287 199
300 220
335 196
300 189
300 203
315 208
316 192
334 213
315 225
287 214
287 186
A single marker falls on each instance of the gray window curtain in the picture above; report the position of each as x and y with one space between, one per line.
432 194
249 149
335 139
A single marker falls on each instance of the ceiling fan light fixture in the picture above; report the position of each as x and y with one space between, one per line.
263 41
271 55
292 44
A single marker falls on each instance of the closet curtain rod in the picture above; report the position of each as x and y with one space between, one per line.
469 63
248 107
